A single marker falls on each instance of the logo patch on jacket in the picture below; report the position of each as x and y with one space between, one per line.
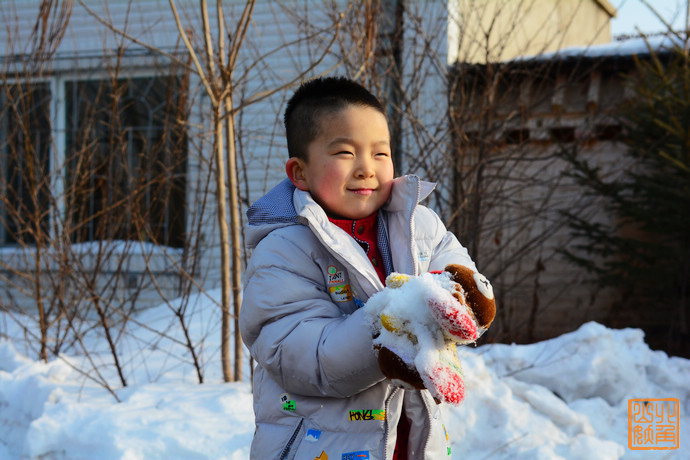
341 293
367 414
335 276
361 455
288 404
338 287
312 435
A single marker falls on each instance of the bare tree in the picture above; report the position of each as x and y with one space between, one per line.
108 219
219 80
220 91
463 111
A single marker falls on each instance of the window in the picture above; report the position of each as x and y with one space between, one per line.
607 132
123 161
126 157
517 136
24 162
562 134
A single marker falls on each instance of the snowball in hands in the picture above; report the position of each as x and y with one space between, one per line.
419 320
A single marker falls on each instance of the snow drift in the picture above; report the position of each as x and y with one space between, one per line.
561 398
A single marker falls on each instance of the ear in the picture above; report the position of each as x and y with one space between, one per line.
295 169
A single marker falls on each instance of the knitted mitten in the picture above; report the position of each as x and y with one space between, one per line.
417 322
446 380
454 316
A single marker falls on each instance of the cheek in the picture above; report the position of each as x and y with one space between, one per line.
386 176
331 176
387 190
329 183
385 171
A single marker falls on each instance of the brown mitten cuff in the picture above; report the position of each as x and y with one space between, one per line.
479 294
397 370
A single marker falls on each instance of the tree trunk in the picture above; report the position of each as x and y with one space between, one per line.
224 243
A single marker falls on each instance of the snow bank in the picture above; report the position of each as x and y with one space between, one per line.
565 397
48 411
561 398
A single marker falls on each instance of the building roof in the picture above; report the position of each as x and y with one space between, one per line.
637 46
614 56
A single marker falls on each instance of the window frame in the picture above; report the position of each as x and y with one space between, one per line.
58 211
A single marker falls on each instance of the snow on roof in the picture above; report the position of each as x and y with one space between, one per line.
616 49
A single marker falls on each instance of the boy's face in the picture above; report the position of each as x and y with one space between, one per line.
349 171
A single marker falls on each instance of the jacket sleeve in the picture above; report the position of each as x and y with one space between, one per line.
293 328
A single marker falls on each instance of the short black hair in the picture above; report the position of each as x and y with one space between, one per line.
315 98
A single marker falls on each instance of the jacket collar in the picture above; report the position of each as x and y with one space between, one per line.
286 205
407 192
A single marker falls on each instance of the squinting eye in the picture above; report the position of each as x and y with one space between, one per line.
382 154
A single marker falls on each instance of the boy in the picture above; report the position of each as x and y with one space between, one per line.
324 240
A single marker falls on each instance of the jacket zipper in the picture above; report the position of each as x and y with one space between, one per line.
387 424
429 424
412 254
288 446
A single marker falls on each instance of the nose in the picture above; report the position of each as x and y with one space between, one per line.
365 167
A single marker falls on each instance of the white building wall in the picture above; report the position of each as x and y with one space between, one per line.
425 126
90 49
273 56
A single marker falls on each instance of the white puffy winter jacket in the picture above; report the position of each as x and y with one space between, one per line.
317 385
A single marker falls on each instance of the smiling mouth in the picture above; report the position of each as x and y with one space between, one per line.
362 191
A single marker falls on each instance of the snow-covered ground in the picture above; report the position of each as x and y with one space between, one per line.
562 398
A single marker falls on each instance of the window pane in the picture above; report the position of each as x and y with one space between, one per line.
126 156
24 162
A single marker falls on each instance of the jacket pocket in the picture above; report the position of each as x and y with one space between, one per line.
288 452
